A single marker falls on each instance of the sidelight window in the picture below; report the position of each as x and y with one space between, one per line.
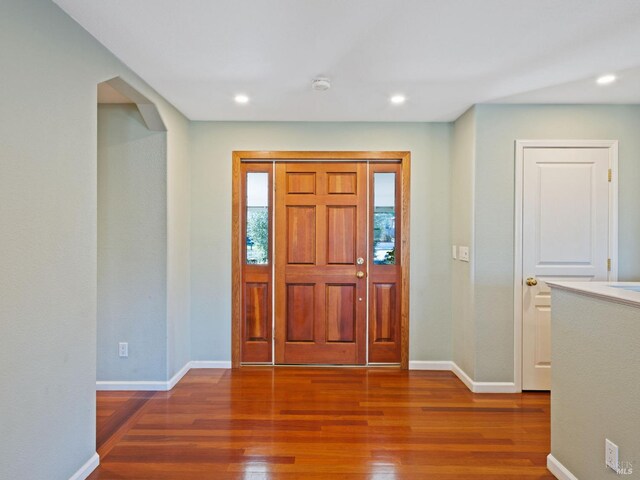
384 218
257 233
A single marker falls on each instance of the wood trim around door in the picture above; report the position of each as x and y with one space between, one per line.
403 157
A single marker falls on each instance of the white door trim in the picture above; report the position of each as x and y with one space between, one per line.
520 145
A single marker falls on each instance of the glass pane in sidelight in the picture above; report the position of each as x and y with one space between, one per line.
257 234
384 218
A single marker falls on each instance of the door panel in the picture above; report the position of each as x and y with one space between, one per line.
320 303
564 233
258 318
300 312
384 311
543 330
301 182
341 235
301 234
341 313
342 182
565 237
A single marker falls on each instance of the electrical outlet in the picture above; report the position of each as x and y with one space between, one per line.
463 253
611 454
123 349
454 252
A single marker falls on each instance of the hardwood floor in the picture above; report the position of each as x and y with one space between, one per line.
321 423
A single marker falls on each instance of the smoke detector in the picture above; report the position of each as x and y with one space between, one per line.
321 84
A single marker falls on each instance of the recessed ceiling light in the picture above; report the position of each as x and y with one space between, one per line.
398 99
241 99
606 79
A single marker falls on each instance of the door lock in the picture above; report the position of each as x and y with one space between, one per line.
360 261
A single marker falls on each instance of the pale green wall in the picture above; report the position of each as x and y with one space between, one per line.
48 196
596 360
462 214
212 144
497 128
178 246
132 246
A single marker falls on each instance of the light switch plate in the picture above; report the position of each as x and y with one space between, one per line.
463 253
611 454
454 252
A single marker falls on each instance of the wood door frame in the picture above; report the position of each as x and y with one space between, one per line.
520 146
403 157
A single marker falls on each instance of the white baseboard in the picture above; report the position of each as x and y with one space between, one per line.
85 470
475 387
178 376
441 365
558 469
462 375
430 365
494 387
160 386
127 385
483 387
210 364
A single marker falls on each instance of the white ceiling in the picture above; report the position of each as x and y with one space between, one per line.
444 55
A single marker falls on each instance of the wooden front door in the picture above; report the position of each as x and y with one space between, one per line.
321 263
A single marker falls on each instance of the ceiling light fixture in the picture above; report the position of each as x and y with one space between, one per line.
241 99
398 99
606 79
321 84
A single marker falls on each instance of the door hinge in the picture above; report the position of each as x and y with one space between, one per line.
608 264
610 174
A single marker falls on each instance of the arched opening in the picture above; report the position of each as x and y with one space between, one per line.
131 253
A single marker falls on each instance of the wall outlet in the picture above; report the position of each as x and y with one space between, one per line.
611 454
123 349
463 253
454 252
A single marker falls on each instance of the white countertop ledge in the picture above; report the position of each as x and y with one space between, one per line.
603 290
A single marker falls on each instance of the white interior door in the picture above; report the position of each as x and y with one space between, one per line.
565 236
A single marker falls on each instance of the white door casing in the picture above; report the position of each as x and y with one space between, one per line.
566 234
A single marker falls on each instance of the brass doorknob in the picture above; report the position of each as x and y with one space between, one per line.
360 274
532 282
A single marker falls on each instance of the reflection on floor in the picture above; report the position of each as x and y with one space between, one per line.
321 423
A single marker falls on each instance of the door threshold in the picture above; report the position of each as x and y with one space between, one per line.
321 365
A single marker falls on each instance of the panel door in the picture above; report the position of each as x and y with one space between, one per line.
565 237
320 305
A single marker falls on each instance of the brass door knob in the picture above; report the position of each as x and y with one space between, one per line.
532 282
360 274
